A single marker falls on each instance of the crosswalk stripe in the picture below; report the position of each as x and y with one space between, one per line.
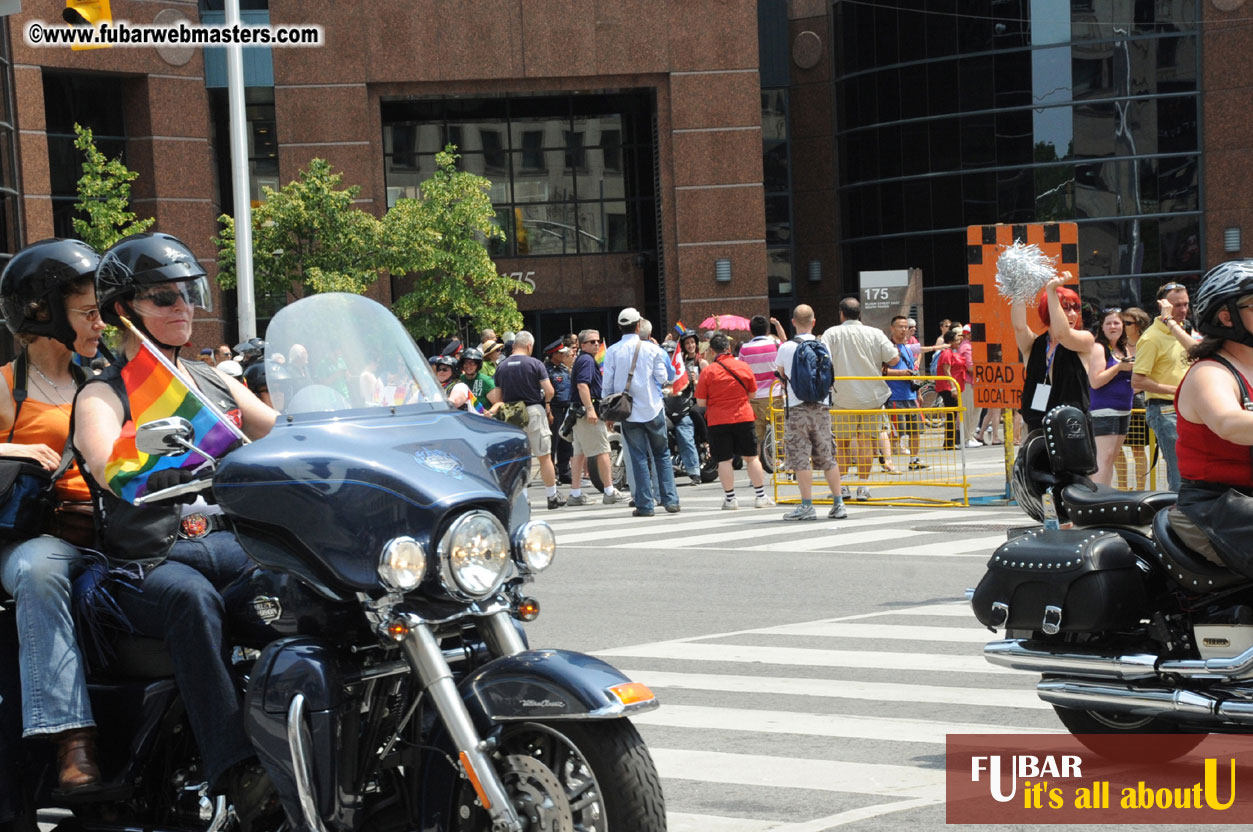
980 546
860 813
685 822
893 632
803 656
884 728
798 773
961 610
827 537
839 689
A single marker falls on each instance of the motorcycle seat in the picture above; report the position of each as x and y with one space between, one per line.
1190 568
137 657
1101 505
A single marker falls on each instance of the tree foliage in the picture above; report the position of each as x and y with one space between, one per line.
439 242
306 237
104 195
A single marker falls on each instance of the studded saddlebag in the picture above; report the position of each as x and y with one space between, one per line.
1067 580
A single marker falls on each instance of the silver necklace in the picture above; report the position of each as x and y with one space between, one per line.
55 386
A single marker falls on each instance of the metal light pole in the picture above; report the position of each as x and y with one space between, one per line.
239 180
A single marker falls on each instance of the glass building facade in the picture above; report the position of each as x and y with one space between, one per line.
953 113
571 174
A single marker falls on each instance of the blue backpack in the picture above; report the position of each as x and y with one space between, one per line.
812 374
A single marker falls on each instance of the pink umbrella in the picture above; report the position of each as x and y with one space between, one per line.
726 323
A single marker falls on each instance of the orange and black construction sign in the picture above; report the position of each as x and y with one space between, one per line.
998 367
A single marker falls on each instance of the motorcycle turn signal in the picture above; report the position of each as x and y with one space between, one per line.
397 629
527 609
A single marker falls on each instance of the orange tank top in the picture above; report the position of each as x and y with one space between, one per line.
47 424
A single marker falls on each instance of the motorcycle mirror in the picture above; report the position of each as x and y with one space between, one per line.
165 437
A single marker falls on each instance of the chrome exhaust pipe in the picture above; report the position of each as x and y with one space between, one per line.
1014 653
1234 668
1129 700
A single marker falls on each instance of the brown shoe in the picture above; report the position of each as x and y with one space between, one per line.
77 768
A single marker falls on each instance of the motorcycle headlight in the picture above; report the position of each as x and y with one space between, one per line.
536 545
403 563
474 556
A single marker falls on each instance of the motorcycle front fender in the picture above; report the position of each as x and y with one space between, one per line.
546 685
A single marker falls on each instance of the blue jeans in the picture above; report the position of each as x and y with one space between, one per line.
1166 430
630 475
36 573
646 439
685 432
180 602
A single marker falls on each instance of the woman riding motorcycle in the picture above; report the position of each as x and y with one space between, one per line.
174 570
1215 423
49 303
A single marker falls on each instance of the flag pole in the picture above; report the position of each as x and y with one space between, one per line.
191 388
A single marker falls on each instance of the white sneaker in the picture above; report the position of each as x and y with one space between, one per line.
801 513
863 493
730 505
763 502
845 494
974 443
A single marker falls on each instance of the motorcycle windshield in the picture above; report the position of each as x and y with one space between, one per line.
335 353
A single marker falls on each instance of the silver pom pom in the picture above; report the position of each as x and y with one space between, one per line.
1022 271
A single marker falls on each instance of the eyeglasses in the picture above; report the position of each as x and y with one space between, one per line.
92 314
1111 310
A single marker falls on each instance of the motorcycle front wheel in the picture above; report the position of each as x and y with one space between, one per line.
1104 734
591 776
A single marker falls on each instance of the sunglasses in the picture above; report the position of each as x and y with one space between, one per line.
1171 287
1111 310
592 341
1071 307
163 298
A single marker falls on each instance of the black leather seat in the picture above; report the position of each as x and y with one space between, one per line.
1192 570
1101 505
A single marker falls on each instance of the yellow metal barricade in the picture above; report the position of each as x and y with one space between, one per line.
894 451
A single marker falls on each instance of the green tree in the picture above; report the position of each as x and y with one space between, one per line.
306 237
104 195
438 241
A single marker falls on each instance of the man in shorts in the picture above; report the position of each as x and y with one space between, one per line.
591 439
521 378
903 398
807 431
724 390
858 350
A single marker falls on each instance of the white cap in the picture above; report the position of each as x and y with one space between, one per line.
628 316
231 368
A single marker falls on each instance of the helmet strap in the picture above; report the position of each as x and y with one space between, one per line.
1238 332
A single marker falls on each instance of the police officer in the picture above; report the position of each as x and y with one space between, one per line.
557 363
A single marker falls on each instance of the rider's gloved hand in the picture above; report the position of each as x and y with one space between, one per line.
168 478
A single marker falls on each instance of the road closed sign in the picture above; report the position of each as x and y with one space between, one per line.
998 367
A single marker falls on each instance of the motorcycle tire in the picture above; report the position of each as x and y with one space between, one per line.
617 466
603 767
709 470
765 451
1100 733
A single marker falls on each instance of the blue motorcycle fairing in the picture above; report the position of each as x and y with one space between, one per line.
320 499
309 667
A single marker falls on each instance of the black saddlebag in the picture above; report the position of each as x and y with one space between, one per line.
1062 580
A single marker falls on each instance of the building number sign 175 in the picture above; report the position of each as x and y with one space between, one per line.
525 278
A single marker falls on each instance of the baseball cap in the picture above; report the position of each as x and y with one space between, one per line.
966 328
628 316
206 351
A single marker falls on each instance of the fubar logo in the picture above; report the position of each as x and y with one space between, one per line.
1021 767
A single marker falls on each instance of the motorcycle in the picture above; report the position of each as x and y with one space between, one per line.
676 408
1132 631
388 683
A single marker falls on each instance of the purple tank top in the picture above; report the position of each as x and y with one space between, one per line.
1117 394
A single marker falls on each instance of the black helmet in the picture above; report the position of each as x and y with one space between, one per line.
261 375
472 354
688 333
1221 287
31 287
251 350
147 260
444 361
1032 476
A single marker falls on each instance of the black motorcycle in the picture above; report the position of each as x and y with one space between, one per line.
388 681
1133 631
677 407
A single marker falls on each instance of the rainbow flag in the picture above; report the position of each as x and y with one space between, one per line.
474 405
679 328
157 391
600 355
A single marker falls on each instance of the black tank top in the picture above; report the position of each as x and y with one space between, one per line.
1069 380
144 534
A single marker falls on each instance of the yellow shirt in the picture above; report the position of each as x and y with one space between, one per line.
1160 357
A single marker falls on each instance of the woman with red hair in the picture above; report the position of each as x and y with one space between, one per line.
1057 360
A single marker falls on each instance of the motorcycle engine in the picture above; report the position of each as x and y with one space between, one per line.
191 800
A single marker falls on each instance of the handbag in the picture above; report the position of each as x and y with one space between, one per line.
513 413
26 499
617 407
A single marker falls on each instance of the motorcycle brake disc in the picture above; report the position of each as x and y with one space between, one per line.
537 794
